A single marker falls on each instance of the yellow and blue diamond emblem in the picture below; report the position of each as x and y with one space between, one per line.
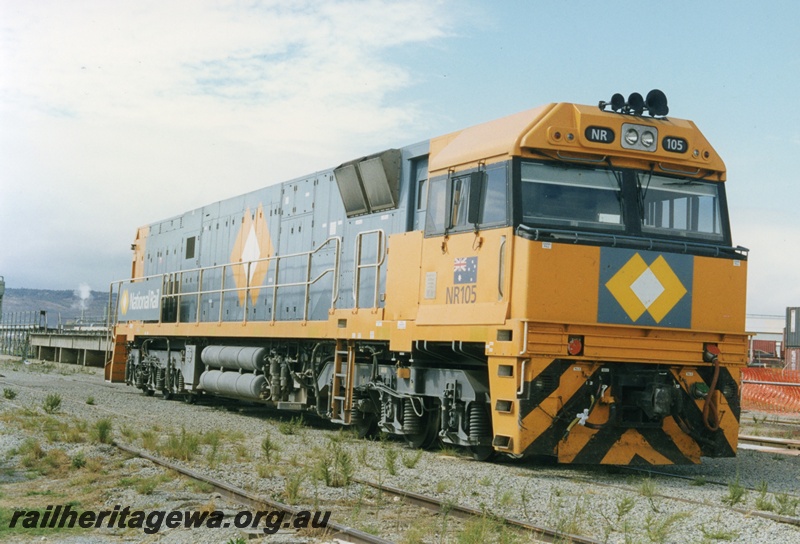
645 288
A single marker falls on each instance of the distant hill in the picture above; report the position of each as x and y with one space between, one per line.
67 306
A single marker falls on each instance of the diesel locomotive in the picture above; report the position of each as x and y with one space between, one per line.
560 282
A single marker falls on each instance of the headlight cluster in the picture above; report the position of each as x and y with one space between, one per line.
639 137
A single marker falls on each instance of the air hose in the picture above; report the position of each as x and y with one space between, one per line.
710 409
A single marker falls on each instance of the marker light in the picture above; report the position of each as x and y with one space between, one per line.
632 137
710 352
575 345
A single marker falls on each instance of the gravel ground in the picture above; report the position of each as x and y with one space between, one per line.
611 505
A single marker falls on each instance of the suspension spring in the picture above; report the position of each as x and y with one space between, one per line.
411 421
479 424
138 377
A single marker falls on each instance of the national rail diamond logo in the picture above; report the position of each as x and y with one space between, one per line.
252 244
648 287
124 301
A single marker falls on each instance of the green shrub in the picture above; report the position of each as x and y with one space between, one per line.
102 431
52 403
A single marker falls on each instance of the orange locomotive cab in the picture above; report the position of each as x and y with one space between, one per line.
598 302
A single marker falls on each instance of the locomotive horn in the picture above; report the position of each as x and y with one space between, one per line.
656 103
617 102
636 103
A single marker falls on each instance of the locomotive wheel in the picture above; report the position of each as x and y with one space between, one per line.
428 436
190 398
148 392
166 395
481 453
367 425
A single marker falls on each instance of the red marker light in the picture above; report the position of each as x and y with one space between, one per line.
710 352
575 345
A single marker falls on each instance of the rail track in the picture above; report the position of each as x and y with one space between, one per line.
767 444
339 531
332 530
544 534
443 508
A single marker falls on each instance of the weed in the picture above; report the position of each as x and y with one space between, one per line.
102 431
291 485
31 451
363 455
334 465
200 486
486 481
480 530
787 505
736 493
624 506
183 446
523 498
270 448
390 461
718 534
55 461
699 481
78 460
292 426
149 440
265 471
211 438
762 501
144 486
211 455
411 460
52 403
449 452
127 432
571 522
443 485
242 452
647 488
10 394
505 499
74 434
659 530
90 401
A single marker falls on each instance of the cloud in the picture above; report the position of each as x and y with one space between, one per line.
113 115
772 239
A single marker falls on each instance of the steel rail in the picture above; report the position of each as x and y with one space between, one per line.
768 444
779 384
332 530
546 534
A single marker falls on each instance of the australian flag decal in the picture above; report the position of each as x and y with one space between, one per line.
465 270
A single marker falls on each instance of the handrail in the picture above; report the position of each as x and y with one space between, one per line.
538 233
176 281
381 257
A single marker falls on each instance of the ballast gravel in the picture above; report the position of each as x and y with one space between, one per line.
609 504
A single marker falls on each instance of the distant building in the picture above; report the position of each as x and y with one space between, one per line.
766 339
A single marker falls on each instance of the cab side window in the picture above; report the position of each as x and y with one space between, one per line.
462 201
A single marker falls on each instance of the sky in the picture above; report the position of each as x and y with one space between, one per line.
114 115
